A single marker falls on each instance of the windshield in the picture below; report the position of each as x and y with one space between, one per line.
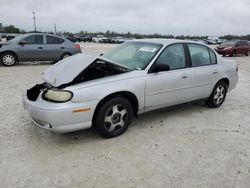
135 55
18 38
228 44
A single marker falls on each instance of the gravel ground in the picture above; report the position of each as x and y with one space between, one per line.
185 146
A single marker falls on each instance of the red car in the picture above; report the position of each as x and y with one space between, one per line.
232 48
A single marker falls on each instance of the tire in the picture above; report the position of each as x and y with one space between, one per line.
65 55
247 54
233 54
113 117
218 95
8 59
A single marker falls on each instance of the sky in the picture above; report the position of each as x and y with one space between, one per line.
176 17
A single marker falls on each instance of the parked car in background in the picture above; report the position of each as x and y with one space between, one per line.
119 39
36 47
110 40
72 38
135 77
100 39
232 48
86 38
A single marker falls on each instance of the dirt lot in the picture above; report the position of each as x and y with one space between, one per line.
187 146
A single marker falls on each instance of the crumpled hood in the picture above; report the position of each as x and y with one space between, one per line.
67 69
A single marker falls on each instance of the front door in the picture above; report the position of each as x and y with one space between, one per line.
33 48
169 87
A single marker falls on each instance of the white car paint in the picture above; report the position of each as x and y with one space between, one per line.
153 91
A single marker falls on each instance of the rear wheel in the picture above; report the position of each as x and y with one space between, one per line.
8 59
247 54
65 55
114 117
218 95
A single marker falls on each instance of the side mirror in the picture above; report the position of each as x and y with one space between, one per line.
160 68
22 43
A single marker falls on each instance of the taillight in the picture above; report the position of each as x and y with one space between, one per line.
78 46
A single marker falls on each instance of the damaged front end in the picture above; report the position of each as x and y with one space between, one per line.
58 77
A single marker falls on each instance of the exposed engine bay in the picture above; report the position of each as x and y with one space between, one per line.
98 69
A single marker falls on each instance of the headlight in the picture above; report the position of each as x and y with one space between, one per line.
56 95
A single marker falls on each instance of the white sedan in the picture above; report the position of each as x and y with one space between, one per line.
136 77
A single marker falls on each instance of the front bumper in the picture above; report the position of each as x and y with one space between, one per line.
60 117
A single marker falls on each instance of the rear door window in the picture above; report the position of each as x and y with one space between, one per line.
201 55
54 40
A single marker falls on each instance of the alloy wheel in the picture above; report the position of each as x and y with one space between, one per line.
115 118
219 94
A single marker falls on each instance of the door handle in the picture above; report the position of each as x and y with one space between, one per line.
215 72
62 48
40 47
184 76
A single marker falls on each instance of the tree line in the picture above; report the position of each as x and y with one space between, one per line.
14 29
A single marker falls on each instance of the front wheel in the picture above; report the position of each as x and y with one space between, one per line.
218 95
233 54
114 117
8 59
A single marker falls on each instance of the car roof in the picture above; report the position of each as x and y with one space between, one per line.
165 42
48 34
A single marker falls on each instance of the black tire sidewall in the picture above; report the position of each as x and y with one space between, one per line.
99 121
65 53
8 53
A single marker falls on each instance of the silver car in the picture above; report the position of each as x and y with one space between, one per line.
135 77
36 47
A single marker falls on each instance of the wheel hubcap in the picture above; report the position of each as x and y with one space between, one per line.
219 94
8 60
115 118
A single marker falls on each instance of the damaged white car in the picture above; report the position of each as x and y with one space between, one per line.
136 77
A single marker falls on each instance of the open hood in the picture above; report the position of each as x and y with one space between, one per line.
67 69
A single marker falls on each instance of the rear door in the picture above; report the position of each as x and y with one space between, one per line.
204 71
33 48
54 48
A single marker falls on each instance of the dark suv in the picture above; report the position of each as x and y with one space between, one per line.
232 48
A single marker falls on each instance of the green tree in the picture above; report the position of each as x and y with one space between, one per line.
11 29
